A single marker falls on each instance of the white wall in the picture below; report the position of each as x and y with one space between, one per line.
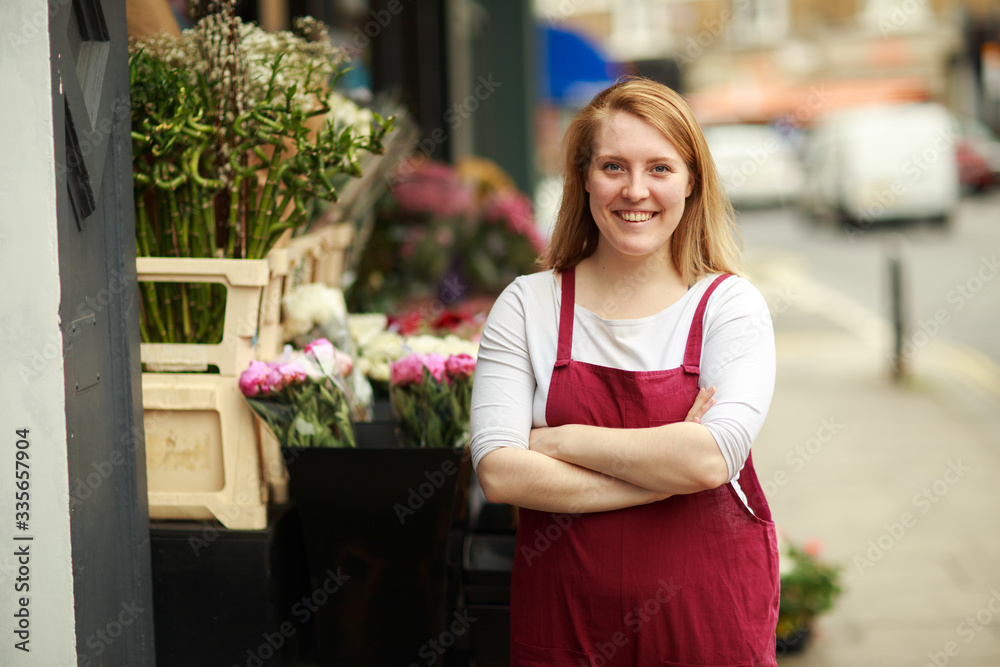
32 394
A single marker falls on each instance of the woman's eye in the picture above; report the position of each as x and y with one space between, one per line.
661 169
611 166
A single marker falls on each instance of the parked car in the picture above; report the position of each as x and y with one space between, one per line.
880 163
758 166
975 173
978 154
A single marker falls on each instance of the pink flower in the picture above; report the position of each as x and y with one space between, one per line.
406 371
292 374
254 378
343 362
436 365
517 213
460 366
275 381
813 547
434 188
319 343
330 360
513 207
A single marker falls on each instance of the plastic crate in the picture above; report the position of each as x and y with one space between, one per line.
245 281
202 451
272 462
318 256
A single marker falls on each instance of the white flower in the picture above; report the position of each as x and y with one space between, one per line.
379 352
345 113
380 347
313 370
304 427
306 64
309 305
450 344
364 327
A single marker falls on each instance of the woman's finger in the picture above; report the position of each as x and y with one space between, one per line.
702 402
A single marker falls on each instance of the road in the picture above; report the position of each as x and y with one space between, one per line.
951 287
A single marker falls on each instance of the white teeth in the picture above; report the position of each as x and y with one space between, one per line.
636 217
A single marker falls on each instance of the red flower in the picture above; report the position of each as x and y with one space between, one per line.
813 547
406 324
460 366
452 320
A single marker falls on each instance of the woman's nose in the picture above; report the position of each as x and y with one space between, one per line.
635 188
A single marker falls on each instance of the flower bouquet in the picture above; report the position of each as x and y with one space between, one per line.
809 587
415 241
306 402
466 323
506 242
445 235
431 397
382 339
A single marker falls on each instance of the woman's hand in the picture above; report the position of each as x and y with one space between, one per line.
702 402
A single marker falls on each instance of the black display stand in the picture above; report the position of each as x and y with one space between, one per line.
384 521
226 597
486 581
242 597
487 559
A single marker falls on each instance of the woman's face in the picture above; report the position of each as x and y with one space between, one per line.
638 186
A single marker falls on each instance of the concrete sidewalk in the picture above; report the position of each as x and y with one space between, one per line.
899 481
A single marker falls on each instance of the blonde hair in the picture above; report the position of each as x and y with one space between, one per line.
705 240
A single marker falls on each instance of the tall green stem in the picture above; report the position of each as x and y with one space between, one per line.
142 224
185 314
166 290
197 225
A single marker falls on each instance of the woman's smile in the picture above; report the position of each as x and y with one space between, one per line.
635 216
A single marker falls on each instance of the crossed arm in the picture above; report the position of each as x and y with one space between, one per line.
577 468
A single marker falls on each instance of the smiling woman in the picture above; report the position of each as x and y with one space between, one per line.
615 402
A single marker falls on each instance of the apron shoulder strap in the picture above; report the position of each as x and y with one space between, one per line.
692 353
566 310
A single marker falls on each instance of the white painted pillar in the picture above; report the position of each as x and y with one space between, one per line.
31 339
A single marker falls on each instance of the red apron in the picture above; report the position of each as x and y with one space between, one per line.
688 581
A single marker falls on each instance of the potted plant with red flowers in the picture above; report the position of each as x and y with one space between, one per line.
809 587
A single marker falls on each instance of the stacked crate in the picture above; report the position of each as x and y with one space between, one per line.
207 457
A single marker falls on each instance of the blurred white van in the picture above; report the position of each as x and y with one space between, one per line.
757 165
874 164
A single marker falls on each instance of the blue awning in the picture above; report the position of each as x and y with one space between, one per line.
571 68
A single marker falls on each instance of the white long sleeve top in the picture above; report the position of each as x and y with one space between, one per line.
518 349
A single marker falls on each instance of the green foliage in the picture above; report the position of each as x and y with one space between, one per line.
234 143
315 414
808 589
433 413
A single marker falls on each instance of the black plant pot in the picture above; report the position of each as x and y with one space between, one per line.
377 523
794 643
